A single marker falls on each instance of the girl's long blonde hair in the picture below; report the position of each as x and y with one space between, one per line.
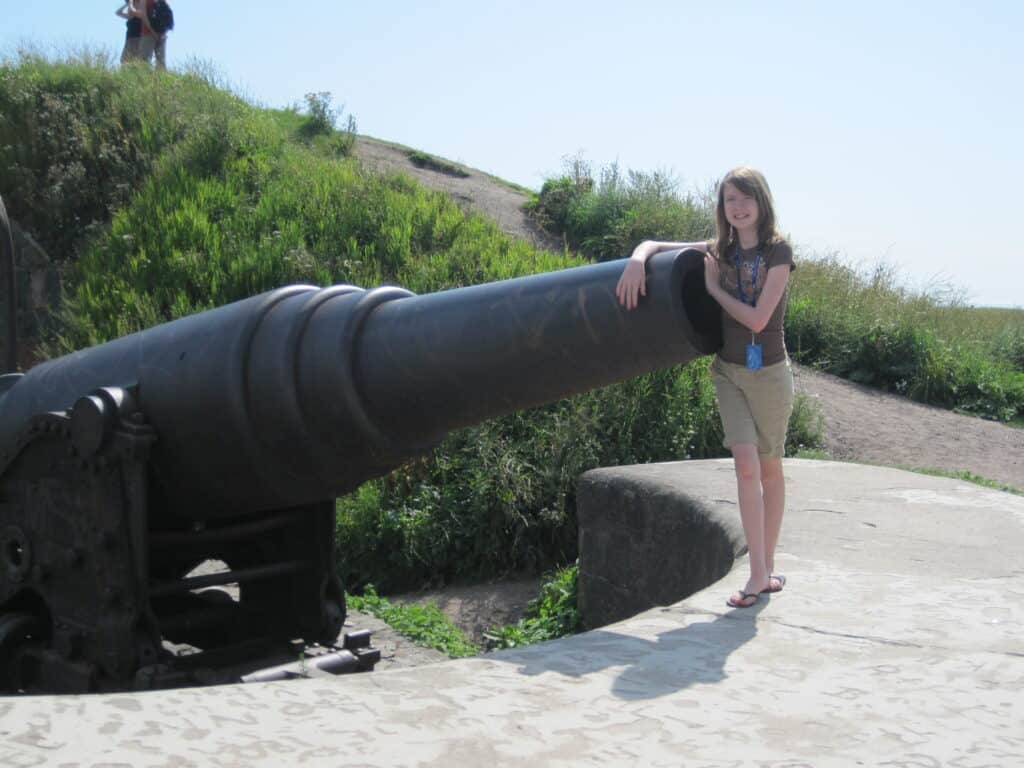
750 182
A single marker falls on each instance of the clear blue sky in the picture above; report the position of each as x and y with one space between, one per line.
889 131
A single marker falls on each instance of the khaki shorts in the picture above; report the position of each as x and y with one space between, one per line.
755 405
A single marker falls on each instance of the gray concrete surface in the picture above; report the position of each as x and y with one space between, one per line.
897 641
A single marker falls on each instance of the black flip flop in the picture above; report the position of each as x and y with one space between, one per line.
782 583
744 596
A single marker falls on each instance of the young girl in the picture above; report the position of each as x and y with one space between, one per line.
746 270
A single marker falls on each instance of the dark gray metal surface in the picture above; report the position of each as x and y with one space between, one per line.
301 394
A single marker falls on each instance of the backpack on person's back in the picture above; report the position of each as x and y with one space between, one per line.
160 17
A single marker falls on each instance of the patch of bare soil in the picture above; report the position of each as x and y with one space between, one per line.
872 427
473 608
477 191
860 423
476 608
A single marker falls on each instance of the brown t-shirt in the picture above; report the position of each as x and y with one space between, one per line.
735 335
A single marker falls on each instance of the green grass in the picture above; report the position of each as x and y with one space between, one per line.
425 625
423 160
970 477
553 614
928 347
606 217
813 453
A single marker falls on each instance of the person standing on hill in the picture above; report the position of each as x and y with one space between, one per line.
157 20
133 32
746 270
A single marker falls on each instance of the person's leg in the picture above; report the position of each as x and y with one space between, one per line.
161 52
146 49
773 484
752 513
130 54
740 436
771 404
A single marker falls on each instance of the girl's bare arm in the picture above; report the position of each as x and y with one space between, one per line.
753 317
633 283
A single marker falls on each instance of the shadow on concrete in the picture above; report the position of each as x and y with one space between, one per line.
695 653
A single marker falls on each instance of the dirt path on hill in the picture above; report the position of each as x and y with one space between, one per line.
869 426
860 424
477 191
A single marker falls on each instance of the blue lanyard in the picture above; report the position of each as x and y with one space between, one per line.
753 276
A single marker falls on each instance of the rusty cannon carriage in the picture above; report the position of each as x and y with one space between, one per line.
226 436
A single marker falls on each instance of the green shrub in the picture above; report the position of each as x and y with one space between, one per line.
423 160
806 430
553 614
868 329
1008 345
608 218
318 126
557 197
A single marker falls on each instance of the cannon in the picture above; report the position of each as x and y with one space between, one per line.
227 436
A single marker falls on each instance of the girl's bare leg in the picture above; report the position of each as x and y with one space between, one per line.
774 485
752 513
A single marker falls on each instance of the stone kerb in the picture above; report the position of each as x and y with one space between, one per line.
647 538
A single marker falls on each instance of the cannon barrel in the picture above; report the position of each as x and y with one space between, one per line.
130 469
301 394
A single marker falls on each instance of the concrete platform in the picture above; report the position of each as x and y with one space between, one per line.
899 641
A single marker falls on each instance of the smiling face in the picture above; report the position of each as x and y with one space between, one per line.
741 209
744 210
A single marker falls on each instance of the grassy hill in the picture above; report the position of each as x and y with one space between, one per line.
166 194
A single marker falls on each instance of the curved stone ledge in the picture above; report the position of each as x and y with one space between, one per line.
897 641
648 536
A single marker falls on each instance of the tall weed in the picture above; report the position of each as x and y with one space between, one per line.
867 328
553 614
606 218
